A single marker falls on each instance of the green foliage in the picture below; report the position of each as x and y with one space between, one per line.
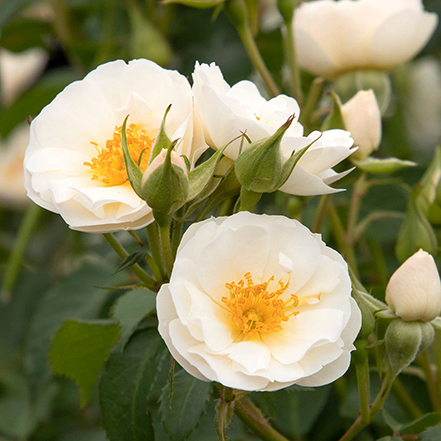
431 434
79 350
126 385
76 296
130 309
190 398
133 258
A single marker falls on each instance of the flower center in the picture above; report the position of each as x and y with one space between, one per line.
108 166
257 309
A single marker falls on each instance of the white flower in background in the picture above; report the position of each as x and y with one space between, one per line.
423 102
19 70
362 117
12 151
333 37
414 290
226 112
258 302
74 163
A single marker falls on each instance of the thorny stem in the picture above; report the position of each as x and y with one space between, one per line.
122 253
155 247
164 234
254 419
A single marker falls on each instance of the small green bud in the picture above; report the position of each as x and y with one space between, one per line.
286 9
259 167
382 166
165 183
415 233
237 12
404 340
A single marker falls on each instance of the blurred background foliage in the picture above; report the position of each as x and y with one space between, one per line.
63 272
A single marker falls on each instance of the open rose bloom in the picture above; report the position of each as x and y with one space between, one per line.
333 37
74 163
226 112
258 302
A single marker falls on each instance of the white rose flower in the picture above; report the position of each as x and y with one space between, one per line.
414 290
19 70
362 117
12 151
74 163
226 112
258 302
333 37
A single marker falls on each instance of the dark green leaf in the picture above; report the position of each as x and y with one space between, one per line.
127 380
431 434
190 397
421 424
130 309
76 296
131 259
79 350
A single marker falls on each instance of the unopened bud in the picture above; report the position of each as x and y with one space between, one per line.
414 290
362 117
259 167
404 340
165 184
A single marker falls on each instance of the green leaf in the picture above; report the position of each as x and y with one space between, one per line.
76 296
382 166
421 424
201 176
79 350
131 259
335 119
130 309
133 171
190 397
126 384
431 434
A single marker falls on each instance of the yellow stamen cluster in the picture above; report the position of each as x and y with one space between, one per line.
255 309
109 167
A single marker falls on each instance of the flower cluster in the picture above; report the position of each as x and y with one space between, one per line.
74 164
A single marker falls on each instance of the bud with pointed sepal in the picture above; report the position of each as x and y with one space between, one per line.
165 183
414 290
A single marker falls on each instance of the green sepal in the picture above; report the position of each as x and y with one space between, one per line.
335 119
248 199
286 9
167 187
224 415
289 165
259 167
162 141
203 174
134 173
382 166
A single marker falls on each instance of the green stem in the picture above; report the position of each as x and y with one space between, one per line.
341 238
358 425
253 418
122 253
379 260
27 226
290 49
176 237
358 193
406 400
155 247
432 387
362 369
164 234
315 92
320 213
136 238
246 35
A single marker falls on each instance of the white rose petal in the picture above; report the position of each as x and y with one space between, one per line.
336 36
258 302
226 112
73 164
414 290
